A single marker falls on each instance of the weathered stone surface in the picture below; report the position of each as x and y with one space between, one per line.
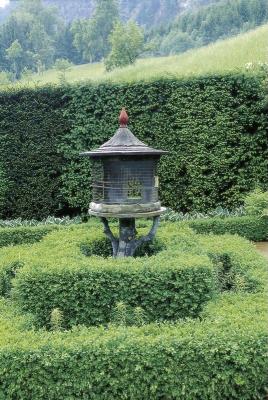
148 214
127 243
124 208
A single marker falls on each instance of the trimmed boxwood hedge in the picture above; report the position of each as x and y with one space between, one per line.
215 128
174 283
221 357
56 274
23 235
251 227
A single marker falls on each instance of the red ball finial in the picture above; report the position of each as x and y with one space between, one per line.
123 118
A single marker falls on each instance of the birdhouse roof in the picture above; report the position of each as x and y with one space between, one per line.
123 143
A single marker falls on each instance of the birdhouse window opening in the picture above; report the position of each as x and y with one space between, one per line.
134 189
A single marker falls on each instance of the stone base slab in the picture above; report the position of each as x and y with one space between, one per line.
148 214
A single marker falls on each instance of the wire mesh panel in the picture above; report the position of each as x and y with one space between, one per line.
118 180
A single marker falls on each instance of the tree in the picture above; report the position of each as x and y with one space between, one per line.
35 27
91 35
14 54
5 79
127 43
62 65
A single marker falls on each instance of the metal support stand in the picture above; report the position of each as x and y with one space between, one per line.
127 243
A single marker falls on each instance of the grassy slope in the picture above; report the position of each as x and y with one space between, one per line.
224 55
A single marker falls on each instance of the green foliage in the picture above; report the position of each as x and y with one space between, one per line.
221 57
62 65
17 236
14 54
150 361
221 357
256 202
56 273
205 167
3 190
56 319
139 316
127 43
13 223
20 235
222 112
31 128
5 78
170 215
102 247
199 27
237 265
28 37
174 283
91 35
120 313
251 227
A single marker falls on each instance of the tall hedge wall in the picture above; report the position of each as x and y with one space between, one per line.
31 129
215 128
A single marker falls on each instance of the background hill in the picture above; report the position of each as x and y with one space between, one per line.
246 52
36 34
146 13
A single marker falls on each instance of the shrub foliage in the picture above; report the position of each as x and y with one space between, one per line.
168 285
251 227
222 355
214 127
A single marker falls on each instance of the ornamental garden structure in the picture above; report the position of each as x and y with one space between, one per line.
125 186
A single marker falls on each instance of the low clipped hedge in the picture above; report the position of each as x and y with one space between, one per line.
22 235
221 357
251 227
56 274
174 283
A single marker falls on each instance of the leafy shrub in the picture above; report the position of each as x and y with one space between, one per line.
256 202
173 283
173 216
251 227
103 247
15 236
13 223
32 125
223 113
237 265
221 357
3 189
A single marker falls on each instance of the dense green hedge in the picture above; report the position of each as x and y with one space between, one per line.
221 357
174 283
214 127
23 235
31 129
251 227
13 237
56 274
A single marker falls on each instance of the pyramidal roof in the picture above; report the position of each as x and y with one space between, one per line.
123 143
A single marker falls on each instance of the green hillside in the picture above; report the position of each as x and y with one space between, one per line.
222 56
